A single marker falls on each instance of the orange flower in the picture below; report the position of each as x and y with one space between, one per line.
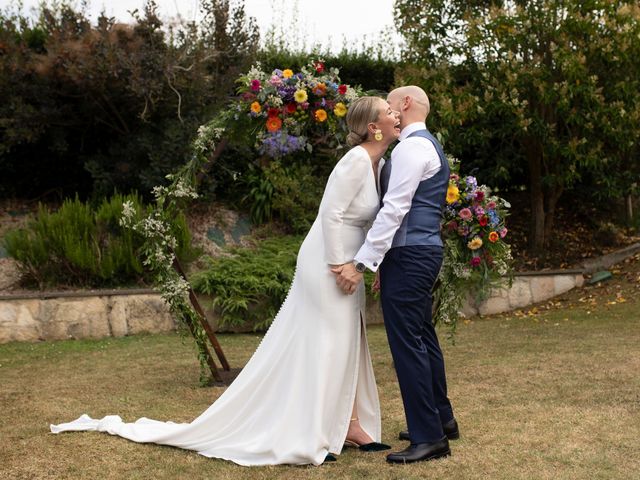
320 115
493 237
287 73
256 107
320 89
274 124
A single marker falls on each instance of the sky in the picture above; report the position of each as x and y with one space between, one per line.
327 22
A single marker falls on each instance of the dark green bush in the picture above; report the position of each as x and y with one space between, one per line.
92 108
250 285
79 246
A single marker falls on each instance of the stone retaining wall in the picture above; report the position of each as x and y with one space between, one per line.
116 313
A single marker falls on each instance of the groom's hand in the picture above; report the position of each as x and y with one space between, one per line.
347 277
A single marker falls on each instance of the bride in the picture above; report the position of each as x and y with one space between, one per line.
309 388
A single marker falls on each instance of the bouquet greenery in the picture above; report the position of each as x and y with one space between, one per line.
477 258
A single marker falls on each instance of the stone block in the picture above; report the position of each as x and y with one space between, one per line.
17 323
542 288
494 305
64 318
117 314
579 279
147 314
564 283
520 293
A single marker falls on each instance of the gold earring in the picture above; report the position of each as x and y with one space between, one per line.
378 135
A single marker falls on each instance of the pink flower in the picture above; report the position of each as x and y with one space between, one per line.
476 261
503 233
275 80
479 211
465 214
491 205
454 177
255 85
452 225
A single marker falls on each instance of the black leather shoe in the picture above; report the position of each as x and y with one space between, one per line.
450 429
421 452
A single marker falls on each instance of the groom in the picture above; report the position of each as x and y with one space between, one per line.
406 234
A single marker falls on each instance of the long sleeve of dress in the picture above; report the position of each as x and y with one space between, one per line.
347 180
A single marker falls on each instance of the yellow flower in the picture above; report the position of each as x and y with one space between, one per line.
300 96
320 115
255 107
340 109
287 73
453 194
475 243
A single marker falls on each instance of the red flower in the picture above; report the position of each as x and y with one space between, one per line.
273 112
479 195
476 261
483 220
342 89
291 108
319 67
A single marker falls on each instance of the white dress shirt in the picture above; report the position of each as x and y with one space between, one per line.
413 160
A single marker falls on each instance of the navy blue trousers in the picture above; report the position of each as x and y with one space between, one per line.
407 276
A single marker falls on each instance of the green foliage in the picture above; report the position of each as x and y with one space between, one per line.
535 84
81 246
372 73
250 285
111 106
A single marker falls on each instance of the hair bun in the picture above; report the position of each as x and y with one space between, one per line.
354 139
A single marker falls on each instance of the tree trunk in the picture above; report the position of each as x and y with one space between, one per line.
629 208
552 197
536 195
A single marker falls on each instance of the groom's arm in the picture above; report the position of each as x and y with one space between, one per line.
409 163
407 172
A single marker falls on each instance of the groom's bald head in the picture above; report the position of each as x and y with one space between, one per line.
412 102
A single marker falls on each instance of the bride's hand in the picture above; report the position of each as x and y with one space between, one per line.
375 286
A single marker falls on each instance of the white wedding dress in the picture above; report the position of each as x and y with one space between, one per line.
292 402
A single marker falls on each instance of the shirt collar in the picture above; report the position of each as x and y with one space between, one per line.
412 127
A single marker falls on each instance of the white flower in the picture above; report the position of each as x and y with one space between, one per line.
128 213
174 289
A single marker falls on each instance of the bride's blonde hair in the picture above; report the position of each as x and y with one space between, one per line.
362 112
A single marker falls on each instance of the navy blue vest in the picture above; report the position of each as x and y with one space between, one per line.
421 224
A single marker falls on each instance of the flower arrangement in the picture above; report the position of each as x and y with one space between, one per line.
477 257
291 111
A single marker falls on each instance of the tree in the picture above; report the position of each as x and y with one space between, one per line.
528 84
93 108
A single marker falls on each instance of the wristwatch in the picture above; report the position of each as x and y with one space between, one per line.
360 267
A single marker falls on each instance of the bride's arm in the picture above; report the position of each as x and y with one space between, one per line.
349 177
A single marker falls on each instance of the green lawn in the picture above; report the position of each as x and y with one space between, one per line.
544 394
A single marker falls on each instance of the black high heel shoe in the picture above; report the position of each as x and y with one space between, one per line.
367 447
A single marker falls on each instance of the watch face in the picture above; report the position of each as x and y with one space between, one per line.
360 267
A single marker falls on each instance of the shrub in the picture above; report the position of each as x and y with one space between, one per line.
250 285
80 246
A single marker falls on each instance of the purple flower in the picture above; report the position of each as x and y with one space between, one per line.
278 144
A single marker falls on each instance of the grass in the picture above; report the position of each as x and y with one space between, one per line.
548 393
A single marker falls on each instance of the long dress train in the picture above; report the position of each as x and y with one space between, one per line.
292 402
